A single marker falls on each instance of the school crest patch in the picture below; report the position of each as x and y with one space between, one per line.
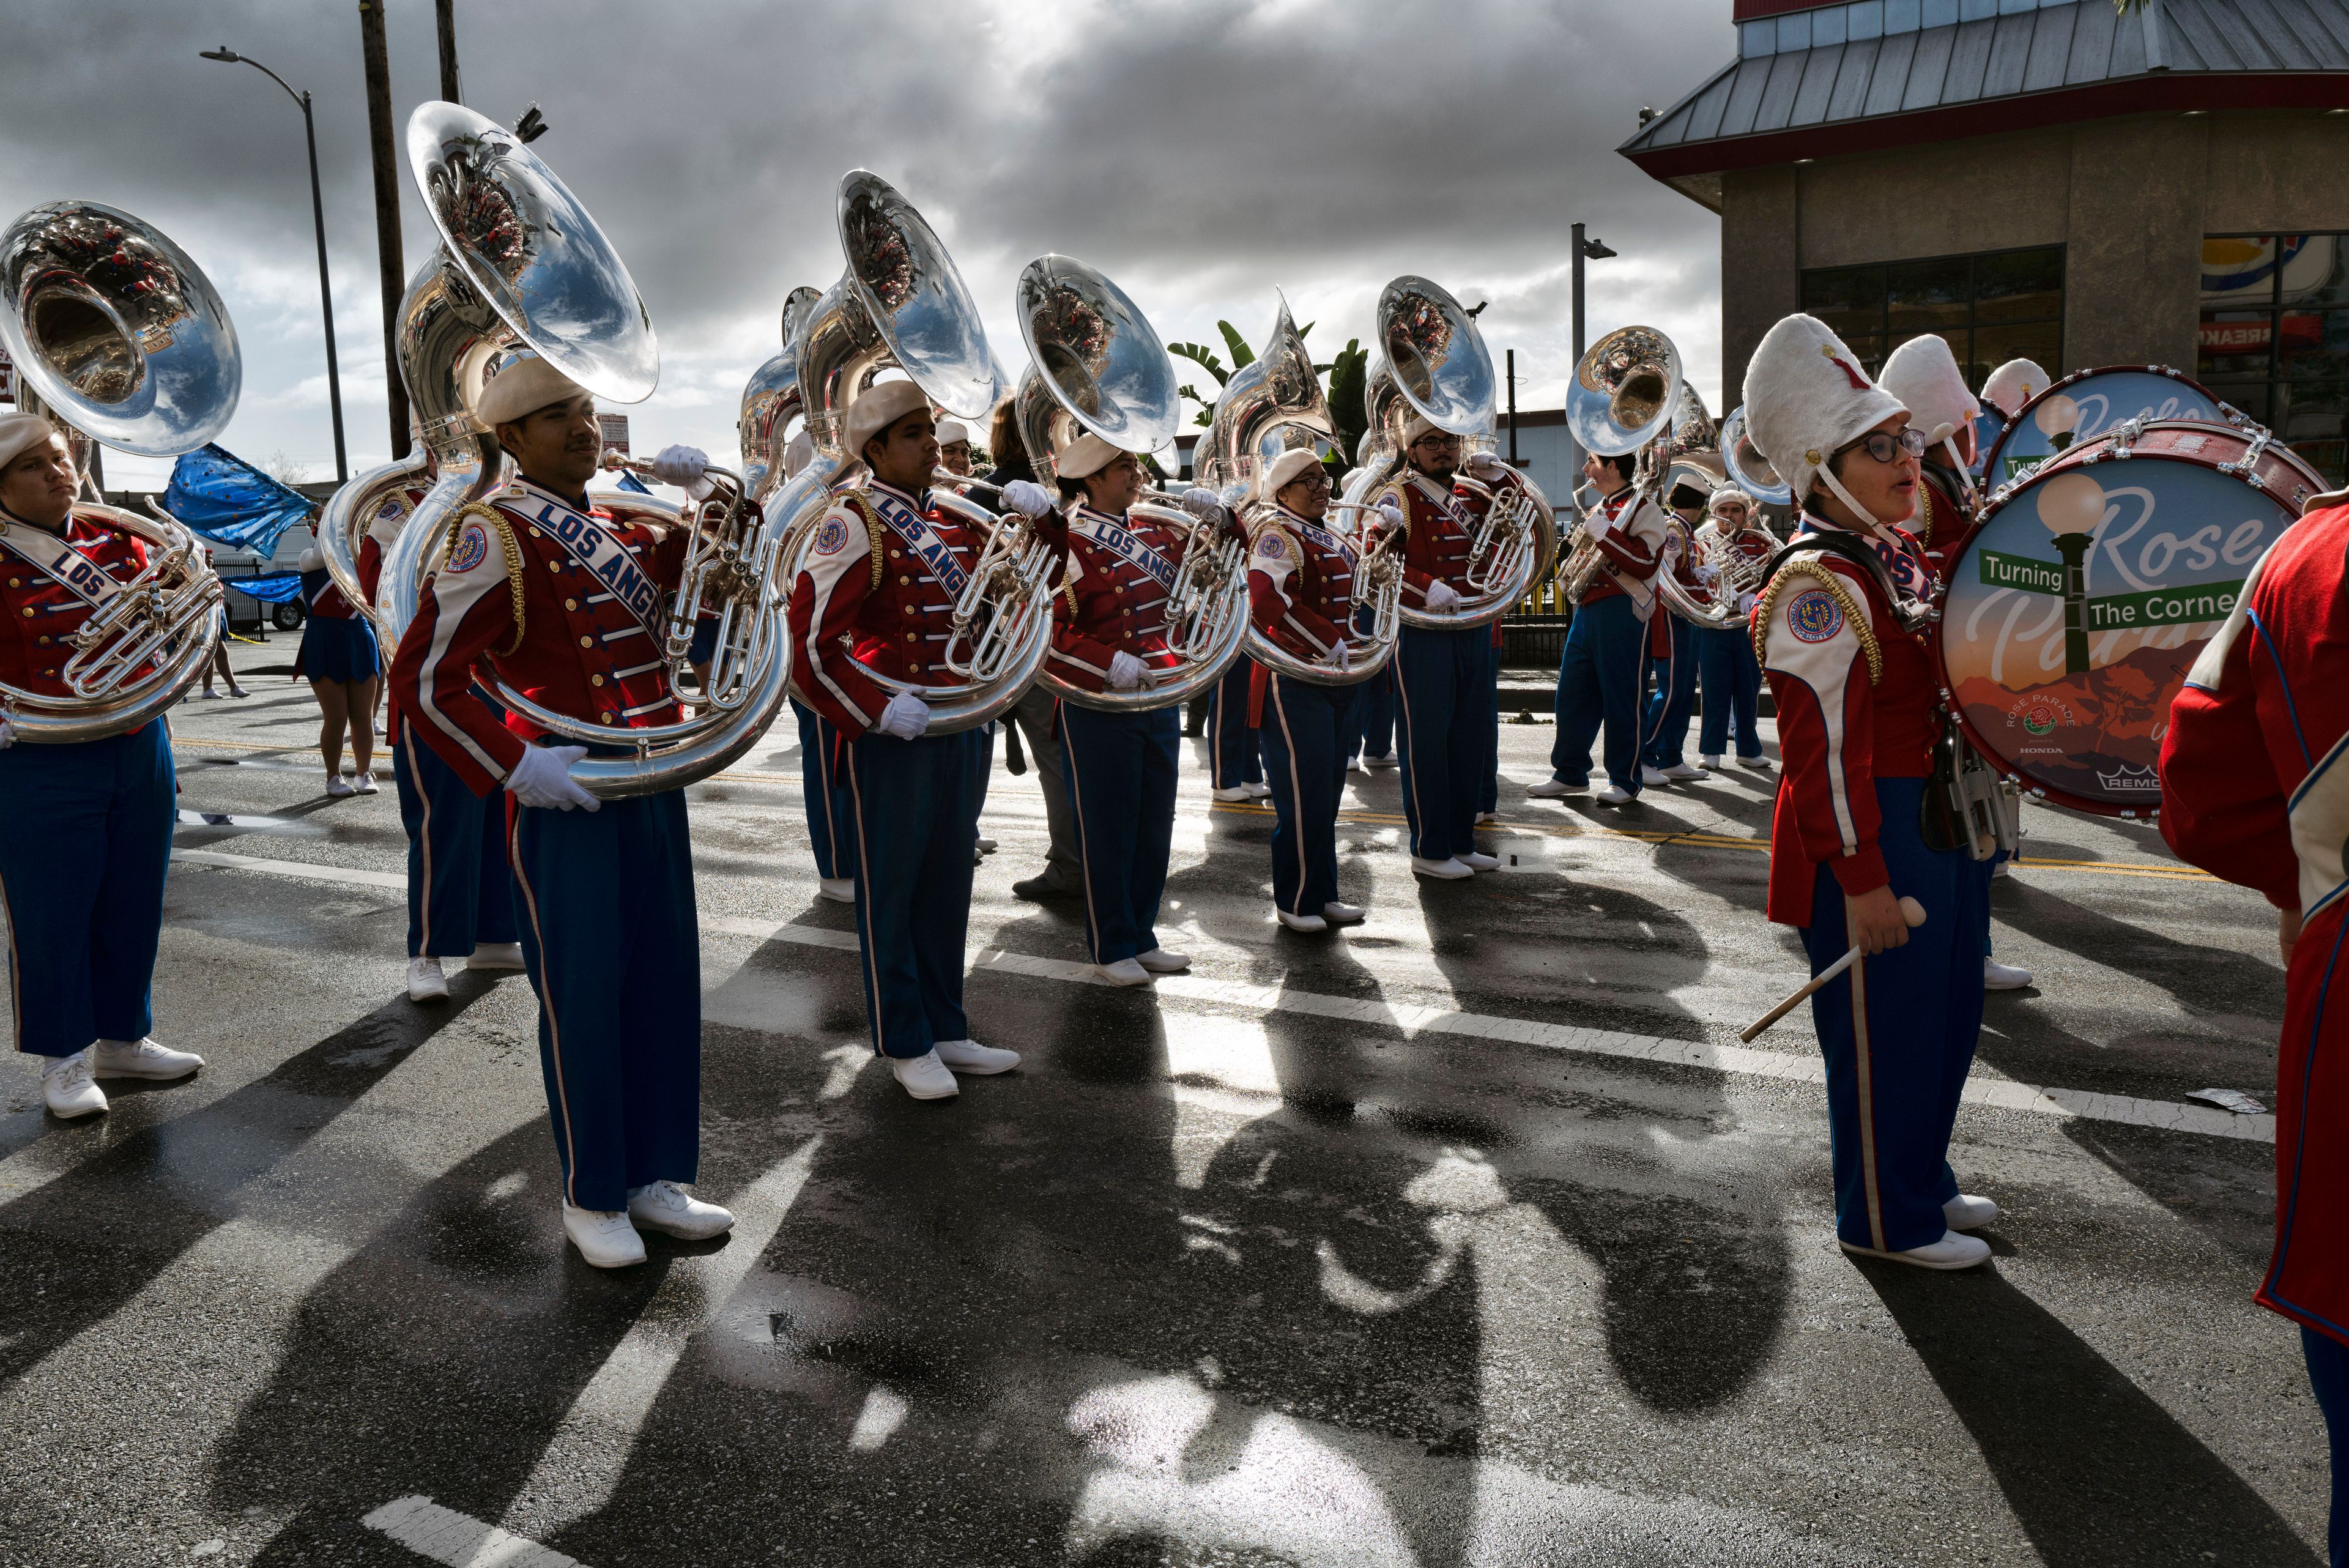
472 547
1813 616
831 537
1273 545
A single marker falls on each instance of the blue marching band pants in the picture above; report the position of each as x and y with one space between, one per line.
1305 732
830 826
913 809
1665 726
1733 693
1122 769
1231 739
1898 1033
1600 681
1444 709
85 846
459 885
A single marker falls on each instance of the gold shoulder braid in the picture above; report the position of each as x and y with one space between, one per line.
1862 623
874 532
503 530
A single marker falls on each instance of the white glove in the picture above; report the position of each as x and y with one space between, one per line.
1027 498
1484 465
1598 524
543 778
1344 655
685 467
1201 502
1391 510
7 734
1125 671
1440 598
1746 603
1707 575
905 717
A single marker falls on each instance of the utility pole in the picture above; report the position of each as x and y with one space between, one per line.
1512 372
1584 250
444 17
387 212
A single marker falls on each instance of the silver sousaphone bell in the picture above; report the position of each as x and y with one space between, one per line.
121 338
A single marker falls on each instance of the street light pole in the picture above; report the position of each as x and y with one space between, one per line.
319 222
1584 250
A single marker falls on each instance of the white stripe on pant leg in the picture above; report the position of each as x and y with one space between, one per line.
1084 847
864 890
562 1107
1295 793
407 735
1410 746
1866 1096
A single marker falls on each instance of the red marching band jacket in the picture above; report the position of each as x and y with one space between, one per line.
1112 596
566 607
2255 789
51 585
877 594
1301 583
1630 550
1439 529
1857 695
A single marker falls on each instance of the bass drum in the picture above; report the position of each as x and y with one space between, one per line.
2087 404
2074 610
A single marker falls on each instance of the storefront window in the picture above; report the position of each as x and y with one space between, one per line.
1991 307
2275 337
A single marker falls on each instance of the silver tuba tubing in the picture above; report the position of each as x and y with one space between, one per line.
1378 587
344 521
1206 617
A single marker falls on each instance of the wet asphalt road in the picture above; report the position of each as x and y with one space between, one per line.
1262 1268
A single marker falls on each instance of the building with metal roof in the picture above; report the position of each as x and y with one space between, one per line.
2052 179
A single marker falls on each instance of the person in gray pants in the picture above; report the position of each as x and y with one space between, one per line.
1063 873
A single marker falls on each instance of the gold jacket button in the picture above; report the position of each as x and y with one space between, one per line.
29 610
607 718
587 642
45 642
909 636
554 565
571 604
15 582
896 555
536 535
595 680
905 581
917 670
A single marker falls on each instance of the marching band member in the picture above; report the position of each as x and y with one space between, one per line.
1235 771
460 899
339 656
2254 789
821 750
1444 703
1300 591
1370 724
953 447
1037 714
2013 384
1109 632
882 578
1725 662
1924 375
1601 673
1672 652
85 828
1858 718
568 607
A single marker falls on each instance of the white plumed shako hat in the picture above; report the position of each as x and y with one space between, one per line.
1806 395
1923 374
2013 384
520 389
876 410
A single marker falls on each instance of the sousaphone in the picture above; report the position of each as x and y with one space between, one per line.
121 338
1625 393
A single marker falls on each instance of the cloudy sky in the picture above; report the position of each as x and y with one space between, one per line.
1202 153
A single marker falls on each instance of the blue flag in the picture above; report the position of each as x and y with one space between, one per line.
631 481
270 588
230 502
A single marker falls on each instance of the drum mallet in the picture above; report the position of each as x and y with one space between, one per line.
1910 910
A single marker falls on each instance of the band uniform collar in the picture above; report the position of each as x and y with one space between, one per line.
10 520
920 502
582 505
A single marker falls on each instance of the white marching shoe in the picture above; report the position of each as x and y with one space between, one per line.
1256 791
425 980
1556 789
986 845
925 1076
1124 971
1682 772
1158 961
1760 765
666 1207
1652 778
1614 795
1449 869
337 786
1307 923
1951 1251
977 1060
1391 760
1339 914
1238 792
141 1059
1967 1212
603 1237
365 784
67 1090
495 955
839 890
1486 818
1997 976
1709 759
1476 860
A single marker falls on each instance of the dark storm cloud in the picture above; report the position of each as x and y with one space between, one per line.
1204 154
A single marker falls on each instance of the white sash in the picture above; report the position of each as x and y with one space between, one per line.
60 563
587 541
1120 541
920 536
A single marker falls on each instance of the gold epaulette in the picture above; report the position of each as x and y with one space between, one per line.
874 529
1812 566
505 536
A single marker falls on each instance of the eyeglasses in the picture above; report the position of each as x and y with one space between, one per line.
1437 438
1313 479
1885 448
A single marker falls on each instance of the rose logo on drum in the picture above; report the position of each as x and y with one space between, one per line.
2040 718
1812 615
